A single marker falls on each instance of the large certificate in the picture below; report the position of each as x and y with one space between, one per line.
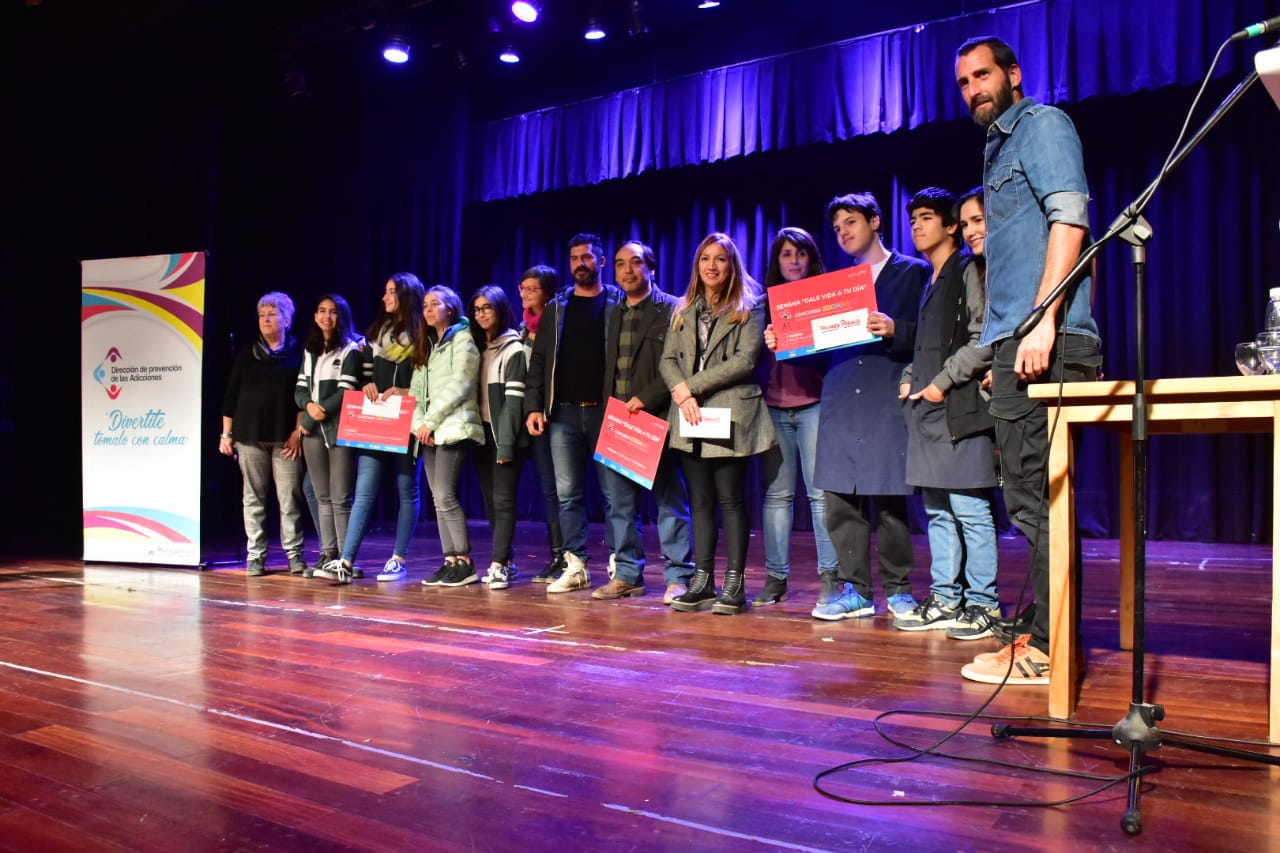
375 425
824 312
631 442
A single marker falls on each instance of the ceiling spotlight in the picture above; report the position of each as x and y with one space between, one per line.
708 4
509 56
525 10
594 31
396 49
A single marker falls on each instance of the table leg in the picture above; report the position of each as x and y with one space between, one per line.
1128 533
1273 708
1063 628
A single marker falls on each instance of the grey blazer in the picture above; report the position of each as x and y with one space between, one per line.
727 380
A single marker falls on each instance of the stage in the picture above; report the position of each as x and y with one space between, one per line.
174 709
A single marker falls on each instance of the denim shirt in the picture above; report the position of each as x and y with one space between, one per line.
1033 176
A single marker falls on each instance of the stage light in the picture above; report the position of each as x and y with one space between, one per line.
525 10
509 56
594 32
708 4
396 49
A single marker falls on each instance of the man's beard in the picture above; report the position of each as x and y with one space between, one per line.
584 276
1000 101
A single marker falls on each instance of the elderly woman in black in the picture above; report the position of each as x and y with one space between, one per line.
260 428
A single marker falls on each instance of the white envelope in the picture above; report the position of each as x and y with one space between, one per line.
388 408
716 422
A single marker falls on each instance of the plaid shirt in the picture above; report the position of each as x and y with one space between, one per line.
628 340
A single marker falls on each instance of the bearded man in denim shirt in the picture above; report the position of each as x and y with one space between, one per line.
1037 226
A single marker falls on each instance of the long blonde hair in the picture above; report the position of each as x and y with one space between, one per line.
739 296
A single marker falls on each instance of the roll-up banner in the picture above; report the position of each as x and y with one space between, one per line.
142 345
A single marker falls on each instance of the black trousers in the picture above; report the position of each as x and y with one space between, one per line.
1022 434
717 482
848 522
498 484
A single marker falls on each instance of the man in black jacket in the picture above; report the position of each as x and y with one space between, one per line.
634 339
562 393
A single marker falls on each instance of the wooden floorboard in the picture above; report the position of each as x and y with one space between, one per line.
171 709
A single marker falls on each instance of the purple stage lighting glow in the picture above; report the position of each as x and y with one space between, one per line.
396 50
509 56
526 11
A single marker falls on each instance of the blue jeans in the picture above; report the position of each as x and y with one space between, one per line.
372 467
797 431
962 534
574 432
623 497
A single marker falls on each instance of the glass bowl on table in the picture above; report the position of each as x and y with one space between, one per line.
1269 355
1248 360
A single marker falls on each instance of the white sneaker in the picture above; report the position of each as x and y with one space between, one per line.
500 576
574 576
488 575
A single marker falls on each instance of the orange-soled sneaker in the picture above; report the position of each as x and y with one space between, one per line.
1017 663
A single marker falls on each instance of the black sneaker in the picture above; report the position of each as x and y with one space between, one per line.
1009 630
553 571
933 614
775 590
438 575
461 573
323 560
973 623
832 588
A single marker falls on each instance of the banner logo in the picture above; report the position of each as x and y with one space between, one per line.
100 374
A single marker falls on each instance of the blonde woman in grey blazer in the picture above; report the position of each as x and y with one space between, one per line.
709 361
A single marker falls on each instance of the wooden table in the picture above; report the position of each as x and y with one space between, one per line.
1212 404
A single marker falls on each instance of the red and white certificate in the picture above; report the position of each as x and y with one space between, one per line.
631 442
825 312
375 425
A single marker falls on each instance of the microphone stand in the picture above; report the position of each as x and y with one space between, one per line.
1137 732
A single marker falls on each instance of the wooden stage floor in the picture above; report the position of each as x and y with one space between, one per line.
169 709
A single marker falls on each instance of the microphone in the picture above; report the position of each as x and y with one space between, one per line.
1258 29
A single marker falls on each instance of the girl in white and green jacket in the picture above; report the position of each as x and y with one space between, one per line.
331 365
446 422
503 366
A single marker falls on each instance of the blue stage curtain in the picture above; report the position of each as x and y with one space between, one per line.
1071 50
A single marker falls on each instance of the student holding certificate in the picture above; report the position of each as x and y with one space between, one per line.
709 362
331 365
387 359
446 422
